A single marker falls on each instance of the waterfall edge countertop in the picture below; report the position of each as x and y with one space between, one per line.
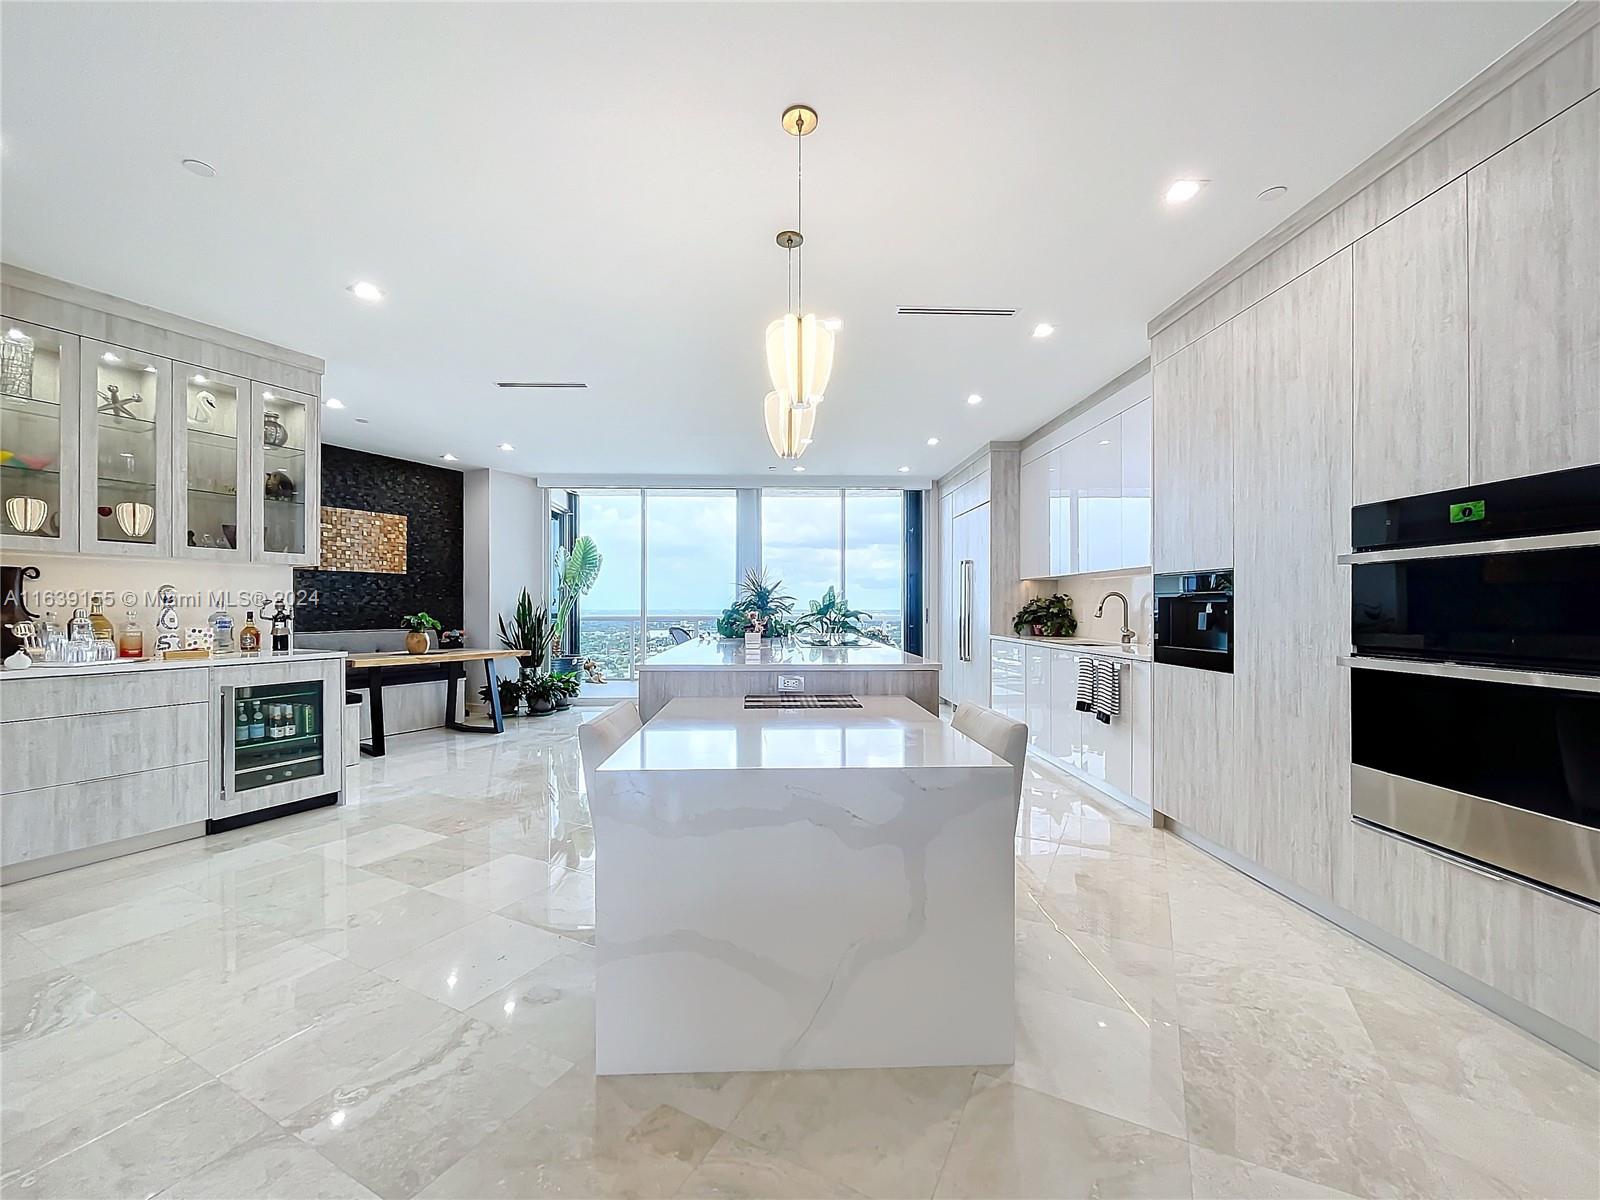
781 652
798 889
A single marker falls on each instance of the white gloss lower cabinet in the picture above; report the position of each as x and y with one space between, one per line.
1115 757
1007 687
1037 669
1064 745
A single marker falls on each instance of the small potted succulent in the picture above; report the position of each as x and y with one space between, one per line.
417 627
1046 616
541 691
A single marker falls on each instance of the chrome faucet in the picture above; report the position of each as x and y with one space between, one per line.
1127 634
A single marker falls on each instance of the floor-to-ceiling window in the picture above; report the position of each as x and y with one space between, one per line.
668 559
875 558
801 539
611 617
671 558
691 561
850 539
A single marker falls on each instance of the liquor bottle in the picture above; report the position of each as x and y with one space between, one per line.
221 633
258 724
99 622
280 630
249 636
274 721
131 642
241 724
285 722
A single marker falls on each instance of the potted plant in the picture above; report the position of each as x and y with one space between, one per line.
530 632
541 691
567 685
762 597
831 621
732 623
510 695
417 626
577 570
1046 616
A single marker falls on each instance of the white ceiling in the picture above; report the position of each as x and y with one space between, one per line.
590 192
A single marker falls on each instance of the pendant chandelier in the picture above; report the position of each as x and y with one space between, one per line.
799 347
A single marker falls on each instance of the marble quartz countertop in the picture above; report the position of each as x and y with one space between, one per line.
720 734
1139 651
130 666
782 652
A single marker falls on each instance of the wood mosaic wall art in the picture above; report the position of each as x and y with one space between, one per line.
353 540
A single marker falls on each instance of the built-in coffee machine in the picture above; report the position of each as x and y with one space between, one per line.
1194 620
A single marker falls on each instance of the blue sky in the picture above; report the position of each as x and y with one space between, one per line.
692 538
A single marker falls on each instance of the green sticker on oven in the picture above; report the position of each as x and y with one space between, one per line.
1467 510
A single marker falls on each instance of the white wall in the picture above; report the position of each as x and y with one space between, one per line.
69 581
505 547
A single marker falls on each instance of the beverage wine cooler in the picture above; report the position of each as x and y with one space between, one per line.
276 748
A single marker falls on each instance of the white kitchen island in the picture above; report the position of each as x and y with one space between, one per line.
802 889
728 668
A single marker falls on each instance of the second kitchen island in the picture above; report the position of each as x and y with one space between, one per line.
727 669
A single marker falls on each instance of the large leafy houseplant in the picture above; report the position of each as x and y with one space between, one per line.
542 691
831 620
529 631
577 570
1046 616
758 596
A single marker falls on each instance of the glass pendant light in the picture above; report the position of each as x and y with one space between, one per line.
799 347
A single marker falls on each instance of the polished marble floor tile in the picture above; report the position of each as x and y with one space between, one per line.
398 1125
1016 1142
396 997
142 1156
884 1133
463 967
581 1137
269 1164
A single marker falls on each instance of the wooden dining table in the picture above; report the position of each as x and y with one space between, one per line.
455 665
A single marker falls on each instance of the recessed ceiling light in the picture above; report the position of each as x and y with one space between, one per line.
109 357
16 335
974 399
267 396
199 379
1105 441
799 469
507 447
933 441
903 470
1043 329
1276 192
332 402
833 324
1182 191
362 290
199 166
448 457
149 370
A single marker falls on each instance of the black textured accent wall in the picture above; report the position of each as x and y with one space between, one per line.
430 500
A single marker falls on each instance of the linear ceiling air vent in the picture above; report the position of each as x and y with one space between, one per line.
914 310
517 383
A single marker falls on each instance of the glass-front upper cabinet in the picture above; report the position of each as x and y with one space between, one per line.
213 463
38 438
286 431
127 451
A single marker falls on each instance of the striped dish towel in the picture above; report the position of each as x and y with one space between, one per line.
1107 690
1085 684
